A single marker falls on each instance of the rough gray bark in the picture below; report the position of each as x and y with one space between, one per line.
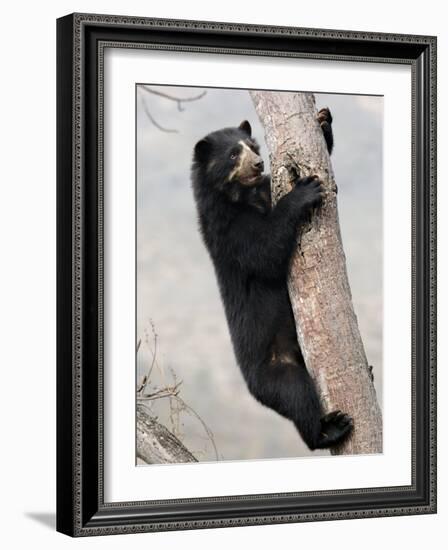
319 290
156 444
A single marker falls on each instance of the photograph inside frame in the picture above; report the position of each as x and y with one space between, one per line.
220 372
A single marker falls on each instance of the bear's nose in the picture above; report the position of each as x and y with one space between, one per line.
259 165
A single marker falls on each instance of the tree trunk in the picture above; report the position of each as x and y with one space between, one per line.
319 290
156 444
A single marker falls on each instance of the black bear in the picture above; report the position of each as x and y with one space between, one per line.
251 243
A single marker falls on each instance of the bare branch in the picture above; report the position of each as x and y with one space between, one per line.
147 376
154 121
178 100
156 444
163 392
204 425
169 391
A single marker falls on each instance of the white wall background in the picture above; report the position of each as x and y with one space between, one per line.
27 295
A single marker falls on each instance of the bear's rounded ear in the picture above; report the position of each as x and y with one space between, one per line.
202 149
245 126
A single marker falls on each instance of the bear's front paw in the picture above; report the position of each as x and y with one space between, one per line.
325 119
335 427
310 192
324 116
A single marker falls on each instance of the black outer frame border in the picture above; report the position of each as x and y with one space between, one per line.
81 510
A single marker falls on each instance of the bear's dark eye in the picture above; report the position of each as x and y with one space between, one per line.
233 156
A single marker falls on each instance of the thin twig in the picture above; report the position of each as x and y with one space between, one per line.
204 425
178 100
176 403
147 376
153 351
154 121
163 392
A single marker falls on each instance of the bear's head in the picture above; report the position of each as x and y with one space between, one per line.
228 158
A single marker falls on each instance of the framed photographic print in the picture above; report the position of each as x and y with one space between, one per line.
246 274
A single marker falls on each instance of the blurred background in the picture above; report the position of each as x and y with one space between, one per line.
182 336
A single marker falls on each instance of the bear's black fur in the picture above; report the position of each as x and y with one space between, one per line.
250 244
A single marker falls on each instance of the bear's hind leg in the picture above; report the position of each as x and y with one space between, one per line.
285 386
288 389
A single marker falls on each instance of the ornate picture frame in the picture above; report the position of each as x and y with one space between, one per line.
81 506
